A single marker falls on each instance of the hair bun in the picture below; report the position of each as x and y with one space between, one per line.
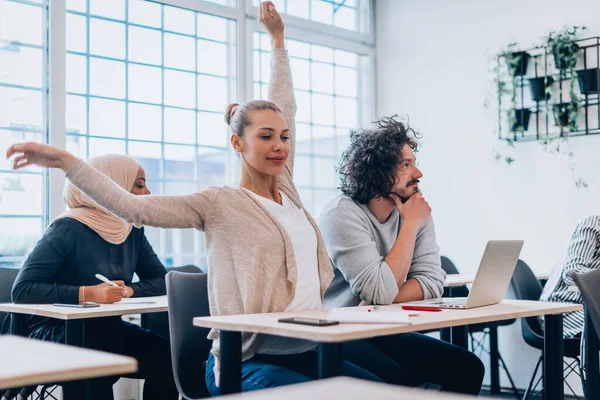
229 111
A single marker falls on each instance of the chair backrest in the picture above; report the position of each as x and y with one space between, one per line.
7 279
159 322
588 284
188 298
526 286
450 269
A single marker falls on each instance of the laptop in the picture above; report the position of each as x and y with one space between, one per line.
491 282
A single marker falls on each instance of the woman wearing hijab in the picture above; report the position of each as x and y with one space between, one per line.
87 240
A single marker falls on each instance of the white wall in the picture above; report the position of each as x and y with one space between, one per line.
433 65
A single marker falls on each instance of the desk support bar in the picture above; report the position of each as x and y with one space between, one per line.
18 324
553 358
592 346
331 361
230 354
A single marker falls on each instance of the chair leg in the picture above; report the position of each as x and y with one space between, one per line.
530 386
510 379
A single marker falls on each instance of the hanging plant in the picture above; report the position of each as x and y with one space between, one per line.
565 51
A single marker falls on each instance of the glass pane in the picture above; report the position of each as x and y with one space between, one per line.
303 103
145 122
325 175
346 58
298 49
77 5
210 27
346 111
320 53
212 58
20 194
180 89
345 17
346 82
179 20
301 73
212 166
322 78
179 52
21 23
144 13
100 147
100 125
212 130
303 139
77 145
145 83
212 93
323 138
21 66
298 8
111 9
145 45
18 235
179 162
149 156
76 33
21 108
107 78
302 171
76 116
321 11
322 109
76 77
107 38
321 199
180 126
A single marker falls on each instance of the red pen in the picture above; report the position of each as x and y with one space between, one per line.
421 308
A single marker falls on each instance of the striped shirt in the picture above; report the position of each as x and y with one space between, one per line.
583 255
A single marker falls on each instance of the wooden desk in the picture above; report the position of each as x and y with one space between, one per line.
347 389
75 321
331 337
25 362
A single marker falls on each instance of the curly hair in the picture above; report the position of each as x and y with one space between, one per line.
368 166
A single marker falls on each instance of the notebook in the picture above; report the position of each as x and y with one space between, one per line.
361 315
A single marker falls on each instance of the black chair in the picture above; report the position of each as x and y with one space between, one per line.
488 329
527 287
159 322
7 279
187 294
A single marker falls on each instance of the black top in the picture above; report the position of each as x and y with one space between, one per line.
70 254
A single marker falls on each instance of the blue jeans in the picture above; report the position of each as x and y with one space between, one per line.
412 359
267 371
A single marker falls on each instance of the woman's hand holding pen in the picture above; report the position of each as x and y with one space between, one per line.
105 293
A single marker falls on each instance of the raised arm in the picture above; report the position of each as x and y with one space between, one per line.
281 86
189 211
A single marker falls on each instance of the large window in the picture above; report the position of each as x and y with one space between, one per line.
23 105
151 79
327 93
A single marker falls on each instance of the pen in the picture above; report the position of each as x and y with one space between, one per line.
372 308
105 280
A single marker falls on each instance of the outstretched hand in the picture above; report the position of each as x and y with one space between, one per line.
43 155
271 20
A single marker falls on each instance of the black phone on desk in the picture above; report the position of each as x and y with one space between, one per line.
80 305
308 321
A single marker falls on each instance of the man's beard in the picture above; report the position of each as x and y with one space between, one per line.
402 196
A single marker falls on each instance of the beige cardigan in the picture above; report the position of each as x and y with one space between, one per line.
250 255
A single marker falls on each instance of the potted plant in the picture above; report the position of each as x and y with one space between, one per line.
517 62
541 88
562 45
519 120
588 80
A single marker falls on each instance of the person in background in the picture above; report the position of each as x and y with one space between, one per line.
381 239
583 255
265 252
87 240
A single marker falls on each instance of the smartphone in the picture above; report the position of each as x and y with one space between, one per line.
309 321
82 305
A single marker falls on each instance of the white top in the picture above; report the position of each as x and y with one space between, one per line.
25 362
304 240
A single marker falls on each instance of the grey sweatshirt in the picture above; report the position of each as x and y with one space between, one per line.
358 244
